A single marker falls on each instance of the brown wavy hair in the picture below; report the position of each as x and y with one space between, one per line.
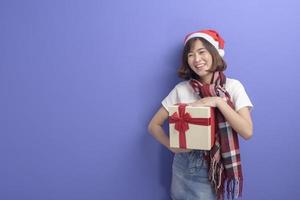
218 63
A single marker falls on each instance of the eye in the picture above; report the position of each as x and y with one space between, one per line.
190 55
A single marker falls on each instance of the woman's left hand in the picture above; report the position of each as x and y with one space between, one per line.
207 101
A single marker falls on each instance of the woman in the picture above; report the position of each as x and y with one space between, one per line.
198 174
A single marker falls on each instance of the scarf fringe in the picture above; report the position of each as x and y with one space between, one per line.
216 177
234 188
231 186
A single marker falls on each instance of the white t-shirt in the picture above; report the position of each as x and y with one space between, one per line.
184 93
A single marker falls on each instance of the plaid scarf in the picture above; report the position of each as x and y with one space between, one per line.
224 158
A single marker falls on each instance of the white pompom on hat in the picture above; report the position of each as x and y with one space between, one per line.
211 36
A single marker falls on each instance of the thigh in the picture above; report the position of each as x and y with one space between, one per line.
198 185
190 178
179 182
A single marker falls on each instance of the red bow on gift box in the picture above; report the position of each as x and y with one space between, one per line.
182 121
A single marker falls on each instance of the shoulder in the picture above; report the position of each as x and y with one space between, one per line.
233 84
182 85
184 88
237 93
178 89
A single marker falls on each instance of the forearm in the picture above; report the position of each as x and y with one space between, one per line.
237 122
156 130
159 134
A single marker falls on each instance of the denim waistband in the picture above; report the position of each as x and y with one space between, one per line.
191 159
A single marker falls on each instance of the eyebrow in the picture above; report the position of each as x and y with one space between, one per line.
202 48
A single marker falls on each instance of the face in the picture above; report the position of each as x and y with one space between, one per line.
200 60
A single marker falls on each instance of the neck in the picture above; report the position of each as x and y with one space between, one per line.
206 79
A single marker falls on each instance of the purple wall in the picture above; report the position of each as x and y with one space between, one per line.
79 81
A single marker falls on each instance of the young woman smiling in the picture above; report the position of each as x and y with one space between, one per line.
199 174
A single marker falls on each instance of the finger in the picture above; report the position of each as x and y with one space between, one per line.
205 105
196 104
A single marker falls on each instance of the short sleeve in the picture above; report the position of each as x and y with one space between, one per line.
171 99
240 96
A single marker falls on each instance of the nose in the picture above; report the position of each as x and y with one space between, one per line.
197 57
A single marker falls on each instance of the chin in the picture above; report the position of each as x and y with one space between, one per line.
201 74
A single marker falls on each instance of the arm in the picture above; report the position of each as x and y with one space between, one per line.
156 130
240 121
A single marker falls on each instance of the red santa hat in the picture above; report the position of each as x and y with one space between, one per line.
211 36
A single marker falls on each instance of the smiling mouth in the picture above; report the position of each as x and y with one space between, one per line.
199 66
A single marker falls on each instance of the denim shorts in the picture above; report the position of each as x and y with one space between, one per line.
190 177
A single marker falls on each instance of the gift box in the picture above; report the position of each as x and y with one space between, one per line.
191 127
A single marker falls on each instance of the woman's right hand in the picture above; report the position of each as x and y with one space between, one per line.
179 150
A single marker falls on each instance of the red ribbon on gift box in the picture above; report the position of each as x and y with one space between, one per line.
182 121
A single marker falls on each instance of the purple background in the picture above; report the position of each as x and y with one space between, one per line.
80 80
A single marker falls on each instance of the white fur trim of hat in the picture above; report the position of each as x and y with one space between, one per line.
211 36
